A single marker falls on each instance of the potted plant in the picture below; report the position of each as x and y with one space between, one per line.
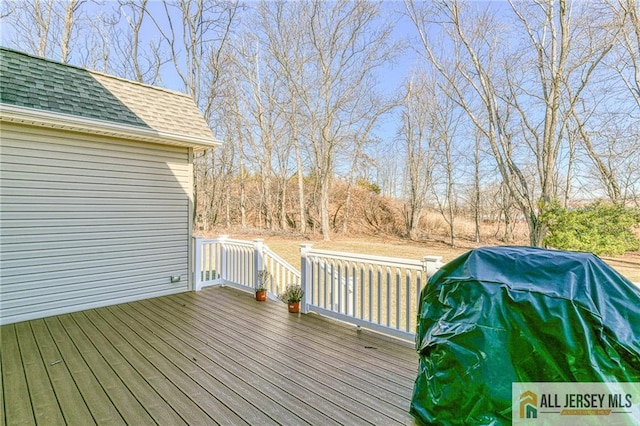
292 294
264 279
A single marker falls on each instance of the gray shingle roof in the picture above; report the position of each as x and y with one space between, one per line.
32 82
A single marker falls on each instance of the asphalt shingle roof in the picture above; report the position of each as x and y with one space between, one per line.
32 82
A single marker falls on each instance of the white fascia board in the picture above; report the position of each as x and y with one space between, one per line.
17 114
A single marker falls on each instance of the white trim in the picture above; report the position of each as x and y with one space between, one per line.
36 117
190 211
380 328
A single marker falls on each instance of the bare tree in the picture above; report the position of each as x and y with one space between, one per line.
69 28
606 127
345 50
46 28
260 91
5 10
522 96
447 119
628 19
477 190
419 139
97 50
306 73
32 22
139 61
362 137
234 128
196 33
388 169
285 36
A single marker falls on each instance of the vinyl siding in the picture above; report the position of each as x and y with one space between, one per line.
89 221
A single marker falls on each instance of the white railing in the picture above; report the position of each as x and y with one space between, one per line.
375 292
282 273
236 263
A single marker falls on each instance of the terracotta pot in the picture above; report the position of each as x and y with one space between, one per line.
294 307
261 296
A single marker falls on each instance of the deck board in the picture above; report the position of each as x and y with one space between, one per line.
94 396
124 402
40 385
268 383
216 361
312 370
212 357
152 402
18 402
205 389
149 365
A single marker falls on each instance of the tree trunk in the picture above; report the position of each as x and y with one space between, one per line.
301 197
324 207
476 189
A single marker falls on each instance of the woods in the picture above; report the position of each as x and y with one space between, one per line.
360 116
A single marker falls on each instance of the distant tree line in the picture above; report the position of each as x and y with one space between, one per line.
519 108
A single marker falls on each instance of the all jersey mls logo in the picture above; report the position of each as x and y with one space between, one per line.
575 403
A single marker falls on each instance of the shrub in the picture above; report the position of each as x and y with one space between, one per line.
597 228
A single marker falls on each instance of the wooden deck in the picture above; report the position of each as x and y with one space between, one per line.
212 357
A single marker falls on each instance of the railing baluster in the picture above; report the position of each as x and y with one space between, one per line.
354 287
339 286
418 289
197 255
379 295
362 283
398 299
388 282
316 282
370 318
327 285
408 297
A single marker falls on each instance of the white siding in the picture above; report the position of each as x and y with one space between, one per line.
89 221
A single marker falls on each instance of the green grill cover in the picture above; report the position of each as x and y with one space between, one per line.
499 315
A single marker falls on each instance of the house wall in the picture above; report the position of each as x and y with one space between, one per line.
89 221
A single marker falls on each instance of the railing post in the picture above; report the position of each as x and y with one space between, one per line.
305 277
431 264
258 259
223 258
197 264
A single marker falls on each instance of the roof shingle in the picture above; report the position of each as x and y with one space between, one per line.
32 82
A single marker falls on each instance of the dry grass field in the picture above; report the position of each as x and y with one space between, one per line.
289 248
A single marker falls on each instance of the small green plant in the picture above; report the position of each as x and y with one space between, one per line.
264 279
292 293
